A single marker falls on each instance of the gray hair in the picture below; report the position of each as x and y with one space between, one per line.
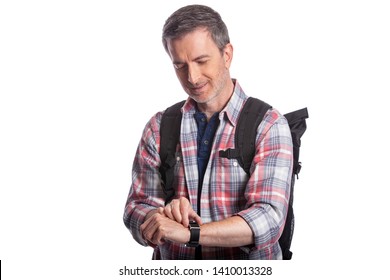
189 18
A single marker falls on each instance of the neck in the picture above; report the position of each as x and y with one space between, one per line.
217 104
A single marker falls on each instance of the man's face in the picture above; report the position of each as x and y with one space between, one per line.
202 69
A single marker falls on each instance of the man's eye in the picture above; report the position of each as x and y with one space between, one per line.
179 66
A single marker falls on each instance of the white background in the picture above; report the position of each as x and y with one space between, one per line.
79 80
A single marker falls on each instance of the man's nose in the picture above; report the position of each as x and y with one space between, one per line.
193 74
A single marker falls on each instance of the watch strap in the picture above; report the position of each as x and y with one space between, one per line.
194 234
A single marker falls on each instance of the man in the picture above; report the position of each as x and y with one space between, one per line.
239 216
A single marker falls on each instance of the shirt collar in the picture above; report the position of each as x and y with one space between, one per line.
232 108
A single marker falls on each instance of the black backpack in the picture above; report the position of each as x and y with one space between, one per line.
245 137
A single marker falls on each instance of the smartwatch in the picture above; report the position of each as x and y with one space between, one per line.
194 234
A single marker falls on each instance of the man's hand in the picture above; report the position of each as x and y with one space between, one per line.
180 210
158 228
169 223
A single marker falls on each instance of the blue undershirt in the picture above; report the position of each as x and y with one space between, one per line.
206 133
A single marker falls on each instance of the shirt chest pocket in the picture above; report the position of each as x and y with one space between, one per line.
227 187
229 175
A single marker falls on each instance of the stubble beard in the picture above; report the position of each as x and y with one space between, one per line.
217 89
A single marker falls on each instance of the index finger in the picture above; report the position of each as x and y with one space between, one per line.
185 209
194 216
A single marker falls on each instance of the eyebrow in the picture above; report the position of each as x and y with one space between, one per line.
196 58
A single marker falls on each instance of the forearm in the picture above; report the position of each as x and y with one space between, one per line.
231 232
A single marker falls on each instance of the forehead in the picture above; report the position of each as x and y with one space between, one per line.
193 44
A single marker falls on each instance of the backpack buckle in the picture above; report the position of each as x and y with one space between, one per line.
229 153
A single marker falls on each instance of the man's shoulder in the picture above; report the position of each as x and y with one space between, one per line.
272 119
174 109
272 114
170 110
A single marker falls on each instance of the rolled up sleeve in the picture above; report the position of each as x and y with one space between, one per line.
145 192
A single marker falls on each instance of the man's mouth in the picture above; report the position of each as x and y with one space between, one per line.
198 88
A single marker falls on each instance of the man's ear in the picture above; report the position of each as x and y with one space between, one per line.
228 55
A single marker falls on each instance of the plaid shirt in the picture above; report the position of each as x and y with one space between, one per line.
261 199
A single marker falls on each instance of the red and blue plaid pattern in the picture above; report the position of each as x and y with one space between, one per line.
261 198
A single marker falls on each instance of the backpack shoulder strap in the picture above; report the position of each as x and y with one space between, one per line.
169 138
245 136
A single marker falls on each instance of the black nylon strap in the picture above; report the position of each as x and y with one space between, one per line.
169 138
245 137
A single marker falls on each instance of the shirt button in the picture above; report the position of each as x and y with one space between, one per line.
203 119
235 163
206 142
